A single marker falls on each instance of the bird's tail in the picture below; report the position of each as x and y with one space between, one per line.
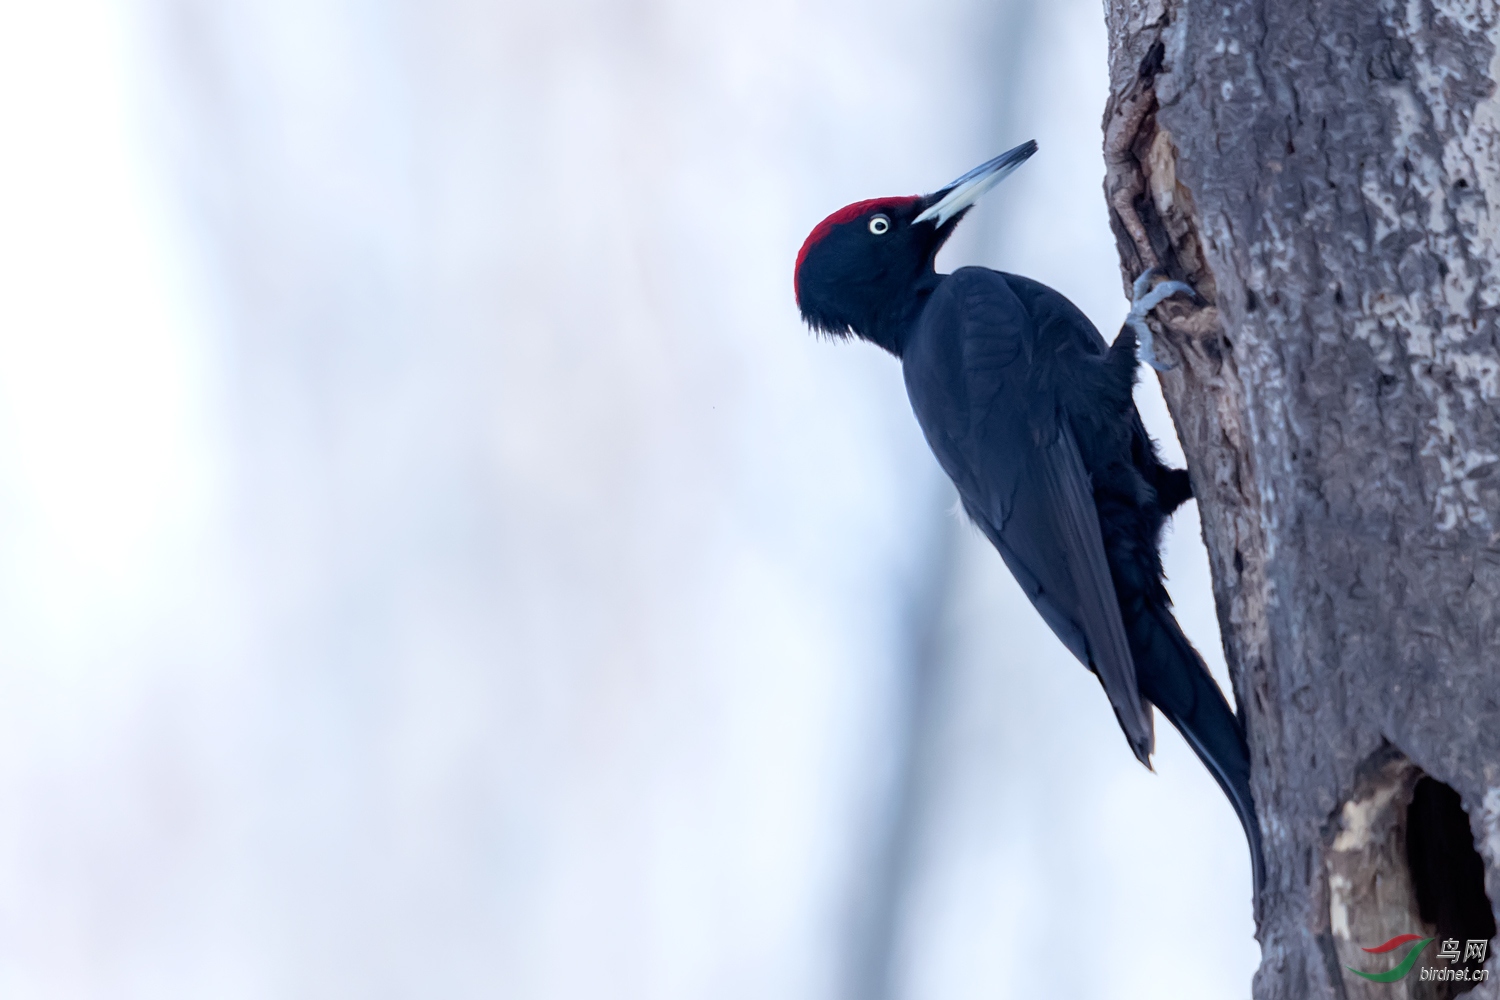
1173 677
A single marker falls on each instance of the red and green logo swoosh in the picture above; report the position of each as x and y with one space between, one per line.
1400 971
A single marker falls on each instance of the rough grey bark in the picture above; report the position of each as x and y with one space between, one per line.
1327 175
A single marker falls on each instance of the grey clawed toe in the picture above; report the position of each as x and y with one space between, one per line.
1144 298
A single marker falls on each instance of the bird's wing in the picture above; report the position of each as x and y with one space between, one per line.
1017 466
1051 309
1075 520
1048 534
1059 321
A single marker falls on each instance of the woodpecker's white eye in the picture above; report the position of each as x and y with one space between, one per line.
880 225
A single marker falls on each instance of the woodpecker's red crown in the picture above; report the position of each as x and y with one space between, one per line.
847 214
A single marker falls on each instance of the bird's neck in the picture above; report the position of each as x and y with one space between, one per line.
892 326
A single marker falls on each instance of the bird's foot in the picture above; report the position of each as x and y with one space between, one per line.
1144 298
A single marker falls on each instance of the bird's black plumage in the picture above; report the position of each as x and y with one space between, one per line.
1030 414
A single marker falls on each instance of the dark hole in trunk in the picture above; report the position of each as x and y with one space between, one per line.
1447 873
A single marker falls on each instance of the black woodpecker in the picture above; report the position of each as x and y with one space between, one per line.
1030 414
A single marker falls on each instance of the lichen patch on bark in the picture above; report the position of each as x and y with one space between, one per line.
1433 205
1490 844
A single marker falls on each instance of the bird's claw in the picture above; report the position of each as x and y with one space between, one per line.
1145 303
1144 350
1144 298
1142 283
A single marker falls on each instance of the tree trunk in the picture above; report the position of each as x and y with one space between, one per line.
1323 172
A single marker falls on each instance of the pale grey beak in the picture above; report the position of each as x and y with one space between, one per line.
966 190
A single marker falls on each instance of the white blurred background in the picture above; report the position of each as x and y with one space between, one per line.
435 562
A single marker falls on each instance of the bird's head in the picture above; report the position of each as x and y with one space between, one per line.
863 270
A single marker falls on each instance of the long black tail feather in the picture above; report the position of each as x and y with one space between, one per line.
1173 677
